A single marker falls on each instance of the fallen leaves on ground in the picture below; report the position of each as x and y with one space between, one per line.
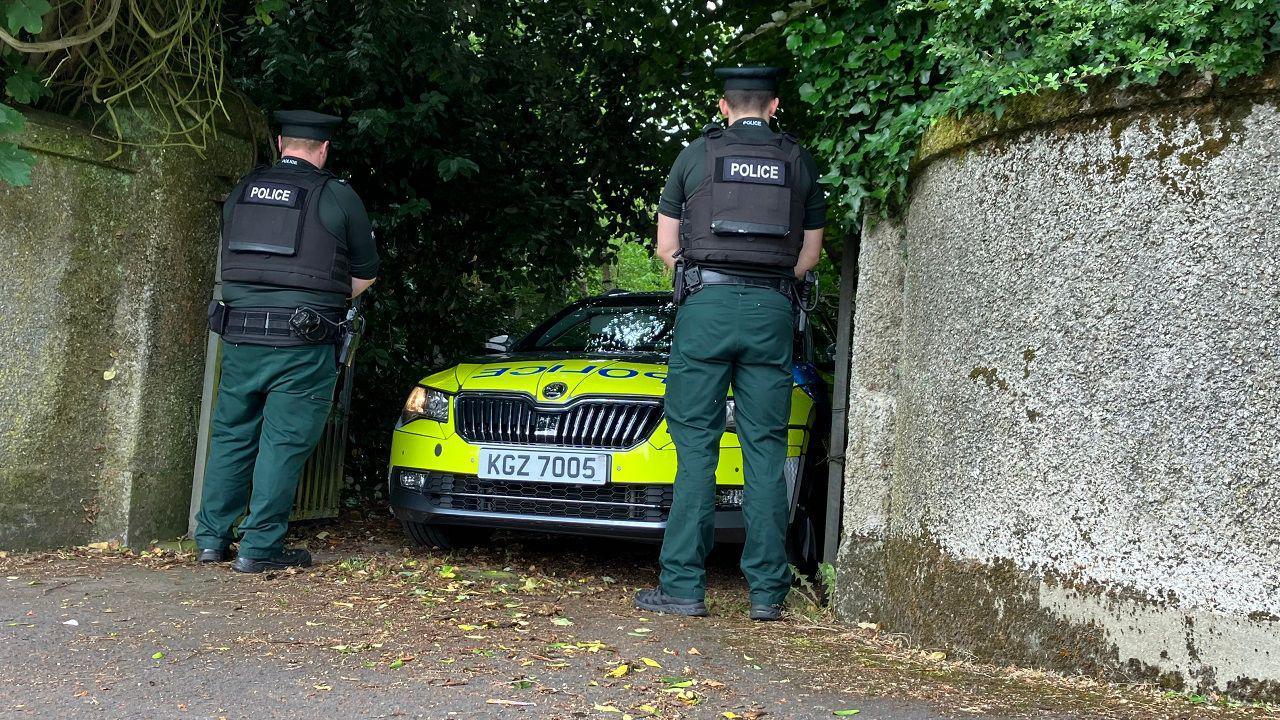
557 629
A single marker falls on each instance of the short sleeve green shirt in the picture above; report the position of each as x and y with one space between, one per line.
690 169
342 214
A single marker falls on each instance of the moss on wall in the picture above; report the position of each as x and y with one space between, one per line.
111 265
953 134
1073 470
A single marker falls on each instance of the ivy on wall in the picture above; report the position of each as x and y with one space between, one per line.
876 73
20 85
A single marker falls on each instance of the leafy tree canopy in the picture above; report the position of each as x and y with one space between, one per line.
502 147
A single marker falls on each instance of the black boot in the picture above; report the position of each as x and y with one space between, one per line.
292 557
766 612
654 600
211 555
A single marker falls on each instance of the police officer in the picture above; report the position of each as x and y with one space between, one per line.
296 245
741 219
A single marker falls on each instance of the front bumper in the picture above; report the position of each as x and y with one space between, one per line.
630 511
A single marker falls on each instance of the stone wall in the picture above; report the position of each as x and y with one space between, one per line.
1065 400
108 267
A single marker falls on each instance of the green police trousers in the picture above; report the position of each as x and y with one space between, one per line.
269 414
740 336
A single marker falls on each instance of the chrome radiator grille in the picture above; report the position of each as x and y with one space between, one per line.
602 424
646 503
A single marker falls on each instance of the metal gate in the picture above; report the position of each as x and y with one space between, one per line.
321 483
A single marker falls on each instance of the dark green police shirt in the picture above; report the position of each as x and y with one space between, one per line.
342 214
690 170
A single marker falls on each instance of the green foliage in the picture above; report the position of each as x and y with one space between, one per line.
160 60
452 167
24 86
264 11
11 121
866 77
1028 46
639 270
21 85
810 599
505 150
827 575
633 268
25 15
15 163
876 73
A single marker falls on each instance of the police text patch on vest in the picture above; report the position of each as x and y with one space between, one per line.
761 171
270 193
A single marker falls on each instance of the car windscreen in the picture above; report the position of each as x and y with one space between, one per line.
640 327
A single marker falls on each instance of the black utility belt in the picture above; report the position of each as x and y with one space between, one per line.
696 278
280 327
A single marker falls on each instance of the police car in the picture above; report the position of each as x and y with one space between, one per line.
563 431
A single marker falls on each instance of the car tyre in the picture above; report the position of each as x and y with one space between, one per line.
446 537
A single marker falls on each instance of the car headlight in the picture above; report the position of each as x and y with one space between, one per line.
730 422
427 403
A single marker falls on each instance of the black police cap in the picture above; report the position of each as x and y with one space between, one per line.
306 124
750 78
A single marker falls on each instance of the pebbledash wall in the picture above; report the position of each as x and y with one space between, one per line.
1064 418
108 267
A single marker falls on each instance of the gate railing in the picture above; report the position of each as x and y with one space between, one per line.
320 487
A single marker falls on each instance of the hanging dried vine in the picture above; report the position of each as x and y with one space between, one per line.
149 72
63 43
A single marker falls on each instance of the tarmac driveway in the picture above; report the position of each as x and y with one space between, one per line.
530 627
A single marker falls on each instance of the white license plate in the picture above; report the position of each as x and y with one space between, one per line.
555 466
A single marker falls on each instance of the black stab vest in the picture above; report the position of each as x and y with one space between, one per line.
748 211
274 235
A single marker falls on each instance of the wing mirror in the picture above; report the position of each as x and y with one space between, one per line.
498 344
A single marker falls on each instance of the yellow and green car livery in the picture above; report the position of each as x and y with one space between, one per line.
563 431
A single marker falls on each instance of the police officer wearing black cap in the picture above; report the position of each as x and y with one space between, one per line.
296 246
741 220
